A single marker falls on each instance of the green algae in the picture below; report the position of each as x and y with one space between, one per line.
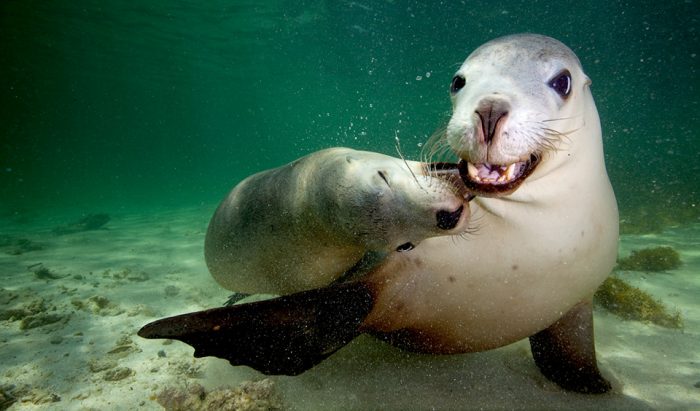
653 259
631 303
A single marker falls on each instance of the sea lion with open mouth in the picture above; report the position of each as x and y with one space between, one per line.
527 140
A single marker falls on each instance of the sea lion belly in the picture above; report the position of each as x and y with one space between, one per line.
514 276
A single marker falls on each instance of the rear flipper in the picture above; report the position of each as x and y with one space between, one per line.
565 352
285 335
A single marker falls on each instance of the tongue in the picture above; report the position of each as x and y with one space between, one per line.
490 172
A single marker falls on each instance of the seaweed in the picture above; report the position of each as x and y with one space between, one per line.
43 273
631 303
651 260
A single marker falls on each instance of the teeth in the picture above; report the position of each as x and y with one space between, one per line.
473 171
492 174
510 172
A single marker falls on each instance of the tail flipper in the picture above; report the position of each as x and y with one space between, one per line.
285 335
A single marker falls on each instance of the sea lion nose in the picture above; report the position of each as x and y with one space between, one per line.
447 220
490 112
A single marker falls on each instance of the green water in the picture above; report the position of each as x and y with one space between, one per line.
150 111
120 104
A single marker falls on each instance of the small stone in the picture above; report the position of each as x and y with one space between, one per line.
124 340
190 370
118 373
18 305
56 339
161 353
248 396
39 320
697 384
39 396
123 351
141 309
99 364
174 398
138 277
82 396
98 305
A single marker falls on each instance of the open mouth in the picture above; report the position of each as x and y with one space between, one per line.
494 179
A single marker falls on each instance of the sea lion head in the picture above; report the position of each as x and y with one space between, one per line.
515 100
393 204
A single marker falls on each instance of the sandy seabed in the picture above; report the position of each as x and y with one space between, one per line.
68 334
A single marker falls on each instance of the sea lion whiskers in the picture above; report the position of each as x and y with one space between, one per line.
549 120
436 149
543 138
436 146
547 140
473 228
441 152
557 133
398 150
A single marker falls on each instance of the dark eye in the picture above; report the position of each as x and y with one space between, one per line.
561 83
405 247
457 84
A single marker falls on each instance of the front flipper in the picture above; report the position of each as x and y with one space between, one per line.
565 352
285 335
234 298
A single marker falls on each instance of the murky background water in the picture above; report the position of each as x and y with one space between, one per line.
123 104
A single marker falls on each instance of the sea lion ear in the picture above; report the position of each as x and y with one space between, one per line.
565 352
587 81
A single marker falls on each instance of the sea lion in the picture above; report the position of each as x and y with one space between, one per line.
303 225
527 138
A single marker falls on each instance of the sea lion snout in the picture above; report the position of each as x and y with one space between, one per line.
491 112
